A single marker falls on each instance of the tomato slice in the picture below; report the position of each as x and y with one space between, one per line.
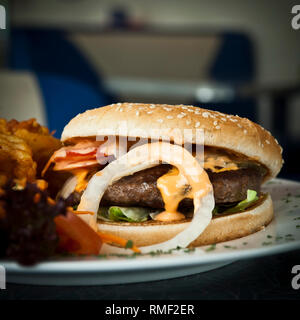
75 236
84 152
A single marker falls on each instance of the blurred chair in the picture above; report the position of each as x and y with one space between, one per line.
68 83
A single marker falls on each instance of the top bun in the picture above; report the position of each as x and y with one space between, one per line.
147 120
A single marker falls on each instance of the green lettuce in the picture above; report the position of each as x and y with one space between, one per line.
241 206
128 214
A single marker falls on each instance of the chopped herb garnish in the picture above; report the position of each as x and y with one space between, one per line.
290 239
156 253
136 254
230 247
245 243
267 243
133 255
211 248
298 226
269 236
129 244
189 250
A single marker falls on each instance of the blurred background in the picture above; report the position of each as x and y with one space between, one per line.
60 57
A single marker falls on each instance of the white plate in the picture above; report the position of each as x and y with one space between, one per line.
283 234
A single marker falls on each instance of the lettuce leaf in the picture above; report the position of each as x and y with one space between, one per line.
128 214
243 205
138 214
239 207
103 213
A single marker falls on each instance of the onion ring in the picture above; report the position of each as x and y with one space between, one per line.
68 187
143 157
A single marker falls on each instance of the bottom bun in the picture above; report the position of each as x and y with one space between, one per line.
220 229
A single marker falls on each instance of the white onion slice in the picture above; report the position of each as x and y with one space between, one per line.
141 158
68 187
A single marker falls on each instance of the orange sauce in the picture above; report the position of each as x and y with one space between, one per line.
81 175
172 187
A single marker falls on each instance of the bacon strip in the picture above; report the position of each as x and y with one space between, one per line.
83 154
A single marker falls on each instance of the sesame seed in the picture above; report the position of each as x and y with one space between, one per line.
205 114
215 123
245 131
180 115
218 127
197 124
188 122
170 117
233 120
167 109
121 109
152 106
137 113
149 112
267 141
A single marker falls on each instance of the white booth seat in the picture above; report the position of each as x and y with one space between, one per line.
20 97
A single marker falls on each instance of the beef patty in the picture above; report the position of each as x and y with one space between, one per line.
140 189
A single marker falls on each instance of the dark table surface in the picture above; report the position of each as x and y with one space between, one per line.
262 278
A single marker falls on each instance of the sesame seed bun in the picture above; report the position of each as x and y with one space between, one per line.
153 120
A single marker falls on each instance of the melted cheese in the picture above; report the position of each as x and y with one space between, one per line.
219 163
81 176
172 186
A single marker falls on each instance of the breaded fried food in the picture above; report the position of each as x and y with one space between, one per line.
37 137
15 159
3 127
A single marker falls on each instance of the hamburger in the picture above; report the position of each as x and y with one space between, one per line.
213 194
